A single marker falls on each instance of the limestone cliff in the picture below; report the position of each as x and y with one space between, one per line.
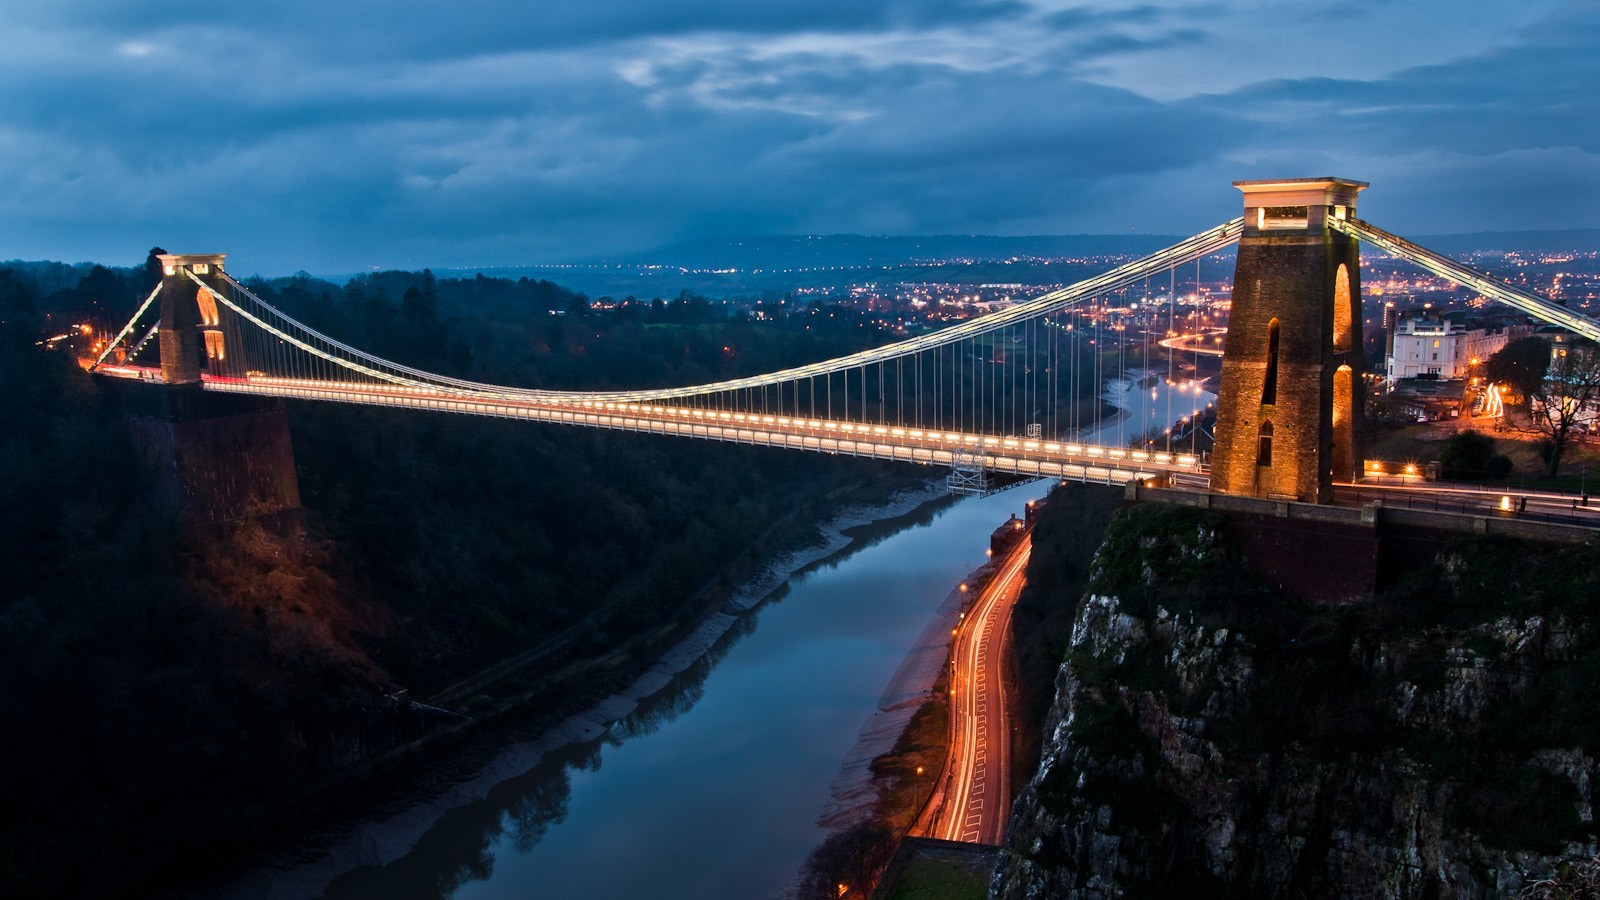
1211 737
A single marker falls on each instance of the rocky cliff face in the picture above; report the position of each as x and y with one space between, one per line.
1213 738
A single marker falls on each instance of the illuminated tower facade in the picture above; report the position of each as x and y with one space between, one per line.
1289 404
193 335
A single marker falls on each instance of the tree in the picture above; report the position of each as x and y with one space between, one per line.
1519 365
153 270
848 862
20 324
1567 395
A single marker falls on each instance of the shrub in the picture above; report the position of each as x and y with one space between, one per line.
1470 454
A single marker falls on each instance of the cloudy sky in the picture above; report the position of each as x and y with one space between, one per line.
336 135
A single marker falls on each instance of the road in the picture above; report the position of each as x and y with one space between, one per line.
1008 454
1479 500
1196 343
1412 492
977 797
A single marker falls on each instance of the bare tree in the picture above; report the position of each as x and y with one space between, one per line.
847 864
1569 394
1520 365
1571 881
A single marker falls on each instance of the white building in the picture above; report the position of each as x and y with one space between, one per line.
1428 348
1426 345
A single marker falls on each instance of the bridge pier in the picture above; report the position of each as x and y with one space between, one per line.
1289 405
211 457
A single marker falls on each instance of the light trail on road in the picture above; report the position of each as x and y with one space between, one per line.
1194 343
977 799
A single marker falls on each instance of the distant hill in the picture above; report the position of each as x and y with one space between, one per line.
810 251
852 256
1520 241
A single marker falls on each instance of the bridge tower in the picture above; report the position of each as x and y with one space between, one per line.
1289 405
209 457
194 333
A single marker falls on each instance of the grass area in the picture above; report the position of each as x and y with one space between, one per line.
934 879
1422 444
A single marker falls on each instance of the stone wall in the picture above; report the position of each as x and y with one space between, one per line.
1290 278
1331 554
211 457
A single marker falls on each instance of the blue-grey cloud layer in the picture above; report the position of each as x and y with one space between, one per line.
332 136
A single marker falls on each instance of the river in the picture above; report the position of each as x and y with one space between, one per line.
1147 405
712 787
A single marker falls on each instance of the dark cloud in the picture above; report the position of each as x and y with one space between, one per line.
334 136
1507 138
1082 18
375 29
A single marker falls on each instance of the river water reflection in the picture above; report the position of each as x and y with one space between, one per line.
1149 405
711 789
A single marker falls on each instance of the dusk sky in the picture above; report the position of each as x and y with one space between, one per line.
334 136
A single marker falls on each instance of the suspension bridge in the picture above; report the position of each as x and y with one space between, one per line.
993 397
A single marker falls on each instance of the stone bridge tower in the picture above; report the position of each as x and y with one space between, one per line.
1290 403
195 334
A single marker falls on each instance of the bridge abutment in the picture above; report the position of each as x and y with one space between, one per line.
1289 405
211 457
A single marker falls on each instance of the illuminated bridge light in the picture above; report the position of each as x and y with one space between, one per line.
366 379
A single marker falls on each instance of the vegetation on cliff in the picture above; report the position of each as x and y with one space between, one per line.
1216 738
1070 527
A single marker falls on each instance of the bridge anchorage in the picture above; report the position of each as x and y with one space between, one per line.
1013 394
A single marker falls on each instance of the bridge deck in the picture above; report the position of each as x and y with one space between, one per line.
1000 453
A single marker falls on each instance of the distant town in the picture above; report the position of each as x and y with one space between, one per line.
1426 337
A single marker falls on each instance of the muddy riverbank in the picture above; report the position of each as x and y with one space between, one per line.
383 840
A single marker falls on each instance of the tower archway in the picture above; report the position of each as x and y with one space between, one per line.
1343 311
